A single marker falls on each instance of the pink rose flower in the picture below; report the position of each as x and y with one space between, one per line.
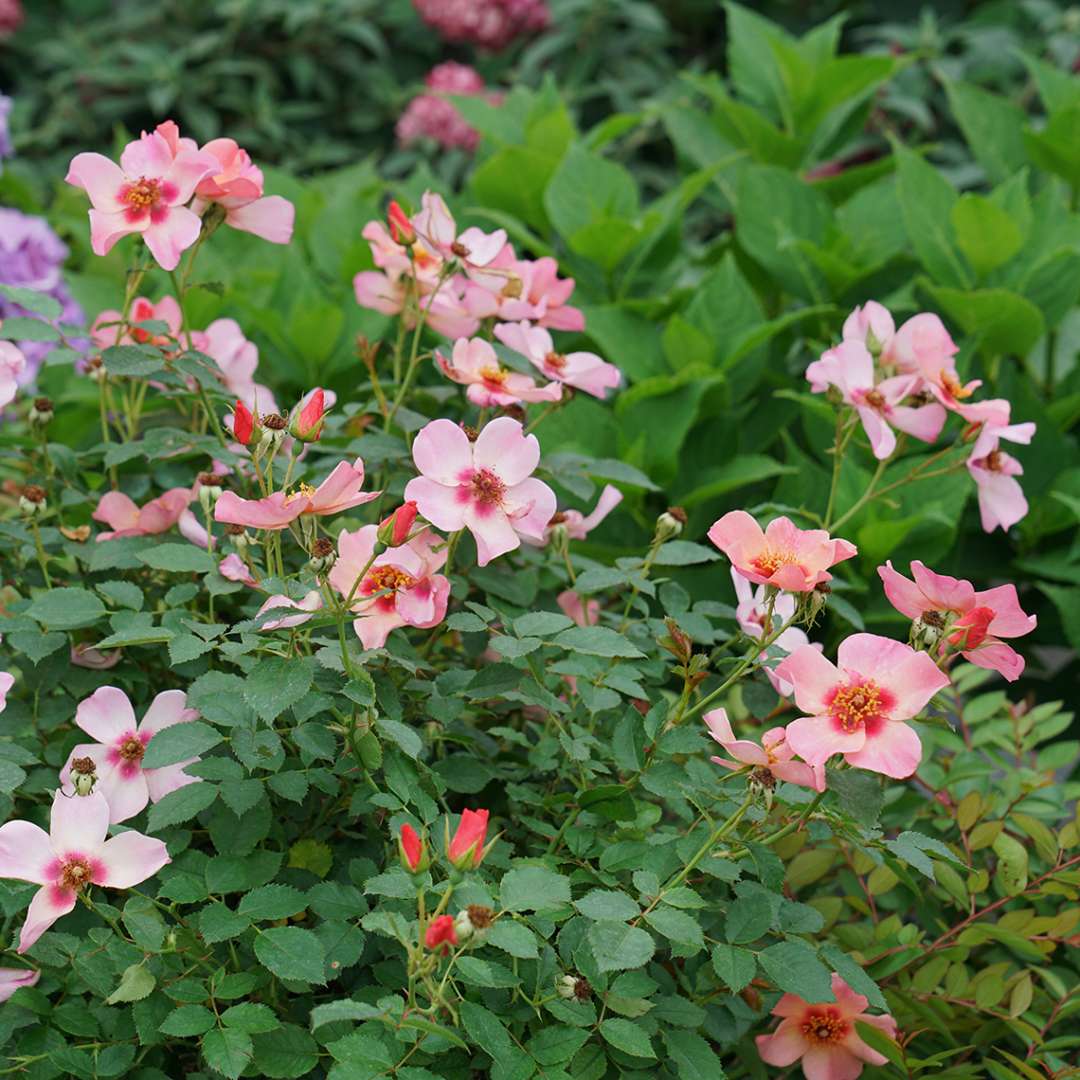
475 364
104 331
305 608
72 855
472 248
774 754
579 525
583 612
400 587
237 358
432 115
144 194
486 487
108 717
858 706
233 568
783 555
12 366
544 295
972 622
444 311
582 370
870 324
1001 499
850 368
339 491
126 519
823 1035
13 978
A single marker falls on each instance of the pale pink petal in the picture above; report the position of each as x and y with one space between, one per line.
870 317
107 229
504 448
48 905
999 657
270 218
812 676
785 1045
116 510
492 531
892 749
25 852
273 512
11 979
374 629
944 593
816 738
185 171
130 858
881 436
100 178
443 506
149 156
482 247
830 1063
442 452
425 605
924 422
169 238
850 1003
738 536
106 715
574 607
1010 619
1001 499
744 750
169 778
79 825
377 292
355 550
798 772
610 497
125 790
311 603
168 708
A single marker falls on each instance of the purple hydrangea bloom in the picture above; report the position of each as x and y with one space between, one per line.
31 257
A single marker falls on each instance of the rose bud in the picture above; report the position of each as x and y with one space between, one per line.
466 851
245 424
307 420
394 530
412 850
401 229
441 932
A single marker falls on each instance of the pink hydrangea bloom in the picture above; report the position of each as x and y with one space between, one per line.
850 368
824 1035
491 24
432 115
12 366
972 622
858 707
127 519
11 979
475 364
338 492
473 247
486 486
304 608
582 370
146 193
72 855
782 555
1001 499
773 754
108 717
400 587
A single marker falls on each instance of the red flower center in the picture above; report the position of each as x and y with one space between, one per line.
853 705
487 488
75 874
132 749
143 194
824 1026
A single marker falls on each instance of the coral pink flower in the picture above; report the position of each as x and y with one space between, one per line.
475 364
339 491
233 568
472 248
13 978
870 324
400 587
106 327
850 368
443 311
543 296
583 612
12 366
973 622
107 716
144 194
237 186
486 487
783 555
858 706
126 519
824 1035
466 850
237 358
411 849
773 754
579 525
441 931
72 855
582 370
86 656
1001 499
304 608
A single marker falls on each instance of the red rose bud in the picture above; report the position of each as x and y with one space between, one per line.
441 932
466 850
411 848
394 530
401 230
307 422
243 424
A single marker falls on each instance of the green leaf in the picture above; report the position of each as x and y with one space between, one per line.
513 938
217 922
992 127
985 233
292 953
684 553
1000 321
180 742
860 794
853 974
793 966
188 1020
402 735
32 300
618 947
677 926
250 1017
598 641
541 623
626 1036
692 1056
227 1051
287 1053
178 558
1011 874
272 902
557 1043
275 684
586 189
533 888
66 608
735 965
747 919
136 983
181 805
608 905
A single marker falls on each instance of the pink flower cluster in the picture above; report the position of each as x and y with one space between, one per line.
432 115
491 24
859 706
164 186
906 379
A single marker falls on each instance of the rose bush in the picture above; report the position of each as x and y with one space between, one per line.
618 659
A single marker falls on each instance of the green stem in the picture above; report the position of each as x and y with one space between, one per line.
39 547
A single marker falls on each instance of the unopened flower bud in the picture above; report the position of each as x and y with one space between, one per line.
209 490
274 426
323 554
307 421
558 533
401 228
32 501
927 630
393 531
670 524
565 986
677 642
812 603
83 775
41 412
412 850
246 426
